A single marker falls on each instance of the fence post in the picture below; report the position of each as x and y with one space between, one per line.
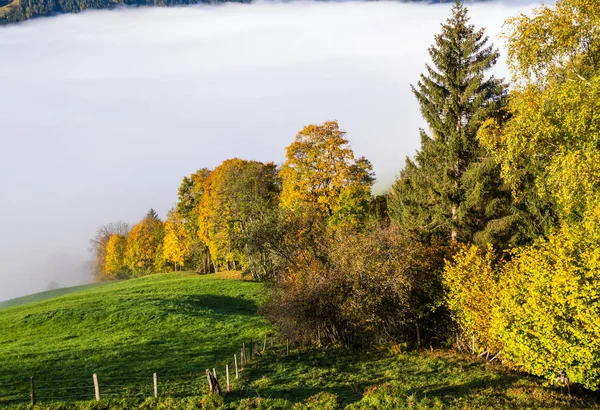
155 385
227 371
236 368
210 385
287 347
32 391
96 387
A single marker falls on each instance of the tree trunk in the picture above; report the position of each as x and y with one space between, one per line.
454 233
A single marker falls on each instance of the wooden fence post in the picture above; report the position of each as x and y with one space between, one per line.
227 371
210 384
155 385
213 383
96 387
32 391
236 368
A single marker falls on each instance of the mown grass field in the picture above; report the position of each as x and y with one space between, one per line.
180 324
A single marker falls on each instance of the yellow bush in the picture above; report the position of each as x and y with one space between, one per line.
471 284
548 315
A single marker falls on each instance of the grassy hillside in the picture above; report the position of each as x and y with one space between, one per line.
49 294
174 324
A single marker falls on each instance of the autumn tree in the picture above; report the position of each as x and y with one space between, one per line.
115 257
555 56
143 252
452 189
100 241
177 241
190 193
238 196
321 172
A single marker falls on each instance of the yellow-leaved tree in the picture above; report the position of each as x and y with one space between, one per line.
322 173
239 199
143 251
114 266
177 241
547 315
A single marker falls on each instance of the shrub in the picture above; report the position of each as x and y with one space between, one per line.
548 317
471 283
363 288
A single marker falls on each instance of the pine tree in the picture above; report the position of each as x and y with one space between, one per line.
452 189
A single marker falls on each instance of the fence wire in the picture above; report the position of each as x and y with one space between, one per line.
169 385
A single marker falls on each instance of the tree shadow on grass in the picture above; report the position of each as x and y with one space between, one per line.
200 305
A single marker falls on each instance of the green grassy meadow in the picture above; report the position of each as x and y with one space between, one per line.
176 325
49 294
180 324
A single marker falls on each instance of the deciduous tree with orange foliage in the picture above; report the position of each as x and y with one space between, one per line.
322 172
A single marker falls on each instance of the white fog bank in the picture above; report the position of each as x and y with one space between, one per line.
102 113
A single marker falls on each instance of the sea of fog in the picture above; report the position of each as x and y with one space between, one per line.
102 113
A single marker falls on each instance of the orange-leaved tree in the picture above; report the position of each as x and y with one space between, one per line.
322 173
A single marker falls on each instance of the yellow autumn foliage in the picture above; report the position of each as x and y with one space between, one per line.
321 172
177 241
144 245
548 314
471 284
114 265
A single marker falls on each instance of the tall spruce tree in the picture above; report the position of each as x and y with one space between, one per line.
452 189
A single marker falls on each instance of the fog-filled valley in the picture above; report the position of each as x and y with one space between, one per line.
104 112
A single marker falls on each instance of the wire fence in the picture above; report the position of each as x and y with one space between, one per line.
97 387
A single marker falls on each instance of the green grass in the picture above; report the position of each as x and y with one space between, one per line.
49 294
174 324
418 380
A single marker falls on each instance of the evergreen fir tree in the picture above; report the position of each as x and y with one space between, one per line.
452 189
